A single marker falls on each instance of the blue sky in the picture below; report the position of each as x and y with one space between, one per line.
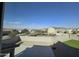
41 15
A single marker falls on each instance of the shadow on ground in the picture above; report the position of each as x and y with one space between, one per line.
62 50
36 51
57 50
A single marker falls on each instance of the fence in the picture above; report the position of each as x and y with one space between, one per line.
48 39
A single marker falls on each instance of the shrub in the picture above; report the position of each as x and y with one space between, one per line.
65 32
58 31
74 32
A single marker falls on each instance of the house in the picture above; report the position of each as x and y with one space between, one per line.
51 30
70 31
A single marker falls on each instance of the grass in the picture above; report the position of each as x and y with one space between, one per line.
72 43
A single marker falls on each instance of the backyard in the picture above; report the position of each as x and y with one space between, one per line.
69 48
72 43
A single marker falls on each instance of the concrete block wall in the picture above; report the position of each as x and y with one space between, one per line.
48 39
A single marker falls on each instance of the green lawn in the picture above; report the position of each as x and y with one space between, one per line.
72 43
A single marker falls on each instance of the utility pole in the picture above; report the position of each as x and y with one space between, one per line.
69 35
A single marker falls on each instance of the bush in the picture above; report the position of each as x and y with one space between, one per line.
74 32
65 32
58 31
13 33
78 32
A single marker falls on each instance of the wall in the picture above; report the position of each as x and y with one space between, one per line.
48 39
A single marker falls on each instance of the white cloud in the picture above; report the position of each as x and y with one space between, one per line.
14 24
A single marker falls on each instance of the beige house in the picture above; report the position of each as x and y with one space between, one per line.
51 31
77 29
70 31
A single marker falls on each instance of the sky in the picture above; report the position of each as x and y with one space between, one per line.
41 14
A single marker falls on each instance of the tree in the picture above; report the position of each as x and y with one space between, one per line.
13 33
6 33
26 31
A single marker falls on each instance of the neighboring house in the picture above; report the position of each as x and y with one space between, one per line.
32 31
19 30
70 31
60 29
78 30
51 30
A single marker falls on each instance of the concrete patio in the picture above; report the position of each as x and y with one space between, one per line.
34 51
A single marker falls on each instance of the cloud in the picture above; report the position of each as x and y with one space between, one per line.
14 22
